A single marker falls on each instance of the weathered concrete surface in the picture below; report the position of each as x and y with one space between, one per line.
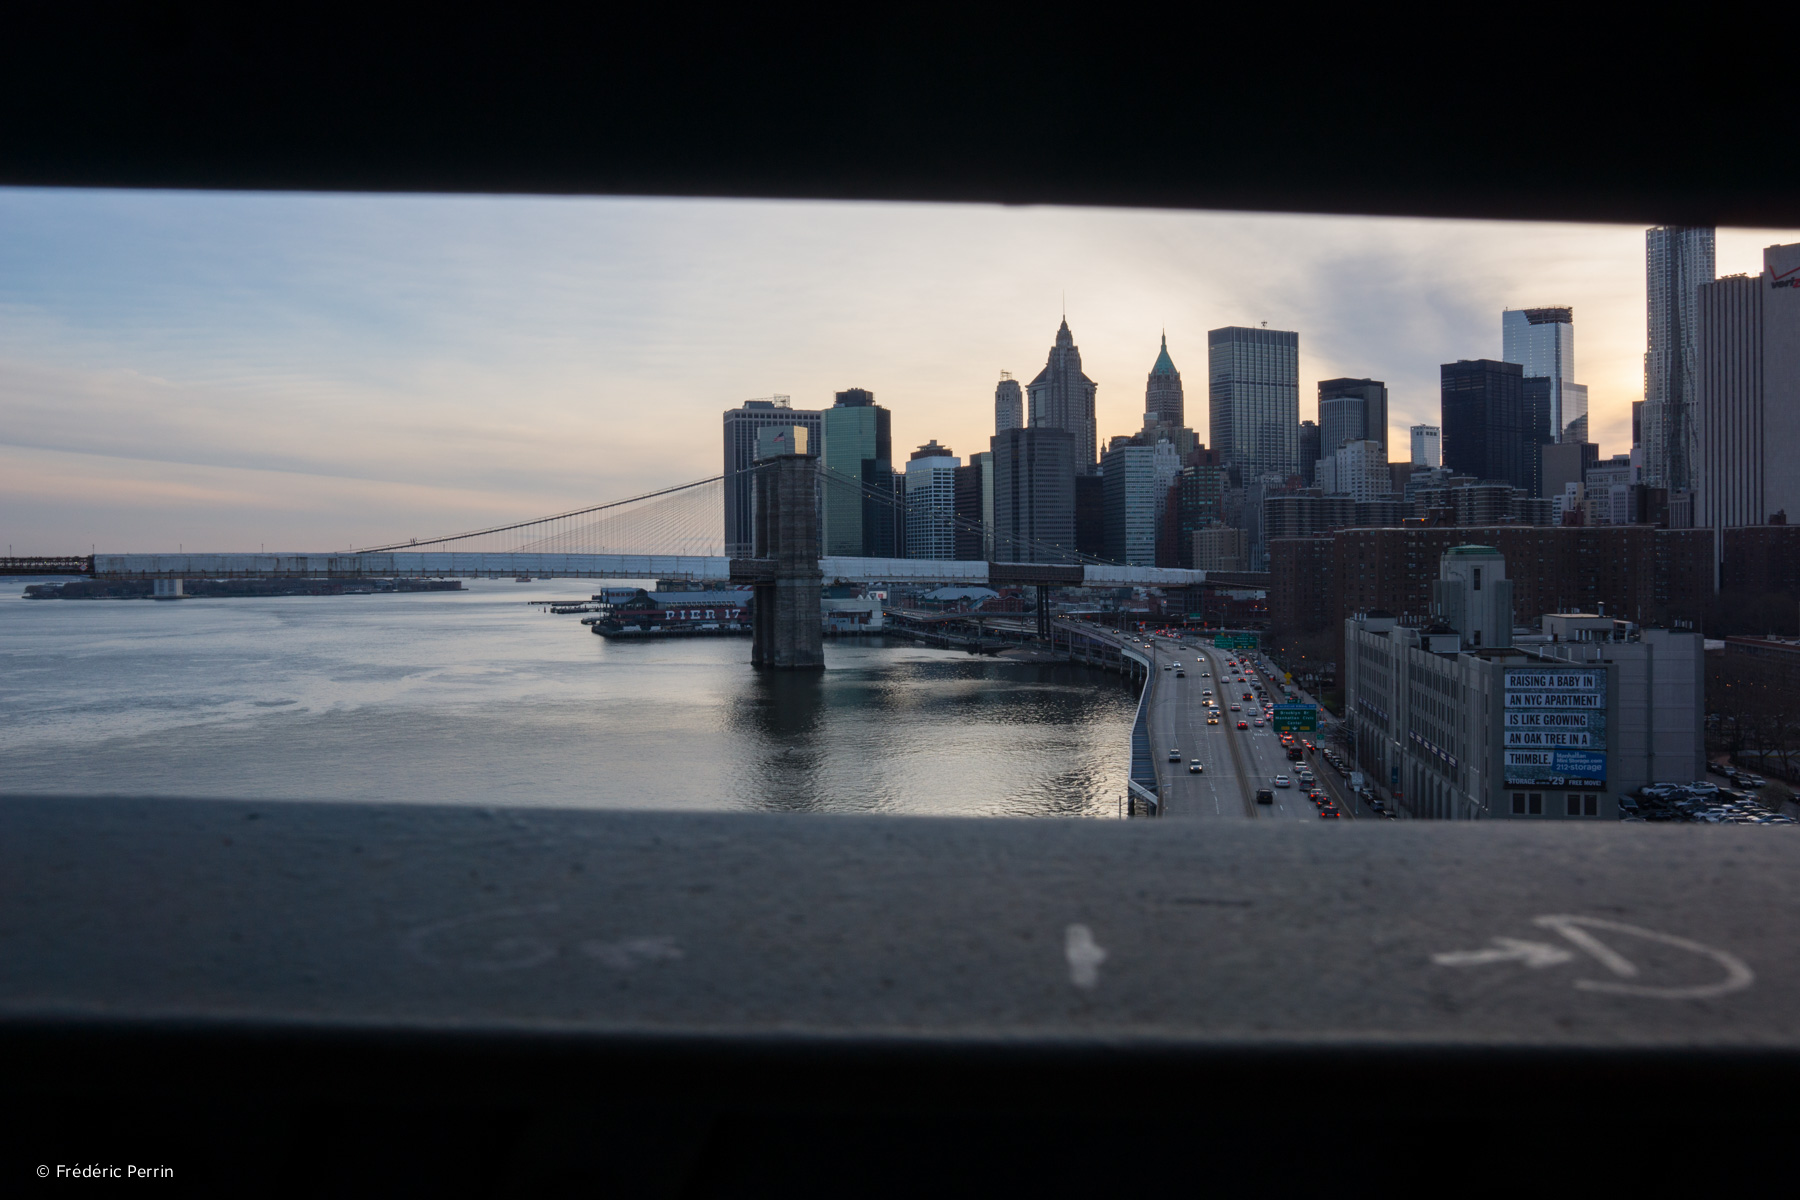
1151 933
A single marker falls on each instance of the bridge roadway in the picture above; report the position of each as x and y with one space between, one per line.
468 565
1237 762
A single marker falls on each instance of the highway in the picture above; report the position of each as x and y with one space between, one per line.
1236 762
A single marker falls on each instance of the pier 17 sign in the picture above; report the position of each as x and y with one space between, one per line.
1555 726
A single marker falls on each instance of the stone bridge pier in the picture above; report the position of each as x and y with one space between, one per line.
784 569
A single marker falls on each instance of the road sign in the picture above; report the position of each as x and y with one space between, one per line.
1296 718
1235 641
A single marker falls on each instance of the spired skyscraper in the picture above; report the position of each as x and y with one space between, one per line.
1009 404
1253 384
1163 400
1542 340
1677 260
1063 398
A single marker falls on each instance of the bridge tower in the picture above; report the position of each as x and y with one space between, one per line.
785 629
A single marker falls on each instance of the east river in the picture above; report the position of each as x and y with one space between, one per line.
478 698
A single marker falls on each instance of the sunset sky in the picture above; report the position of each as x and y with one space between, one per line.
307 372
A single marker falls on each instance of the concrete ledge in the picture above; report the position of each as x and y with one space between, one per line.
500 1001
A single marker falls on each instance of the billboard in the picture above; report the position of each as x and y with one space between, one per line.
1553 726
1235 641
1296 718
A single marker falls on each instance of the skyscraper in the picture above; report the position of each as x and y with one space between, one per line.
1034 495
1009 404
1310 452
1535 428
1253 386
1135 488
741 425
1542 340
1677 260
972 506
857 476
1747 397
1484 420
931 502
1063 398
1162 392
1374 396
1427 447
1341 419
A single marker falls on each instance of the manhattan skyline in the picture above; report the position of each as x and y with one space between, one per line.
223 370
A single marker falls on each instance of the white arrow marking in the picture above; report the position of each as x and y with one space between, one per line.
1738 974
1532 954
1084 954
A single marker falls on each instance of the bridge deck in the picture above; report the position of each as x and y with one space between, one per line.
450 564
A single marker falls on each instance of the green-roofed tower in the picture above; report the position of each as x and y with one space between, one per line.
1163 401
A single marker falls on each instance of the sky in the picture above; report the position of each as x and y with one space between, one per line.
234 371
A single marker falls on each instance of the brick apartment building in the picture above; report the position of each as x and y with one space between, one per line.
1655 577
1759 560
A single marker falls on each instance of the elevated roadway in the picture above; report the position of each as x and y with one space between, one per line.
441 564
1237 762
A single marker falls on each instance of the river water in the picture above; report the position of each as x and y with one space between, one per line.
476 697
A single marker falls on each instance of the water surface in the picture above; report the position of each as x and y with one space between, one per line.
478 698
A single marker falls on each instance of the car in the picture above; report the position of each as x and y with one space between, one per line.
1243 725
1212 720
1237 708
1248 696
1752 781
1195 768
1258 722
1328 813
1283 781
1205 691
1181 674
1265 796
1174 756
1304 775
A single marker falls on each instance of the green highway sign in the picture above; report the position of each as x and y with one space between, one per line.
1235 641
1296 718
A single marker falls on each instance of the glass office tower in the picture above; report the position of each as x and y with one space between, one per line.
1677 260
1542 340
1253 378
859 502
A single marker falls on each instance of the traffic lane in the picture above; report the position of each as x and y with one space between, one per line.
1291 801
1182 721
1165 733
1236 782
